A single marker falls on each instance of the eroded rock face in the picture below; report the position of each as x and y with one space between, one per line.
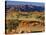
26 26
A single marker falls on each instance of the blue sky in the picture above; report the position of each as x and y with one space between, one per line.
28 3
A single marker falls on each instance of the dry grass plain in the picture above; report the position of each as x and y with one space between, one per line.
33 23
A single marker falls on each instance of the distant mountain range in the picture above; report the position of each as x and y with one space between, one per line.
27 8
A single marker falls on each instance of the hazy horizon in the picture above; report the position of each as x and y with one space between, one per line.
24 3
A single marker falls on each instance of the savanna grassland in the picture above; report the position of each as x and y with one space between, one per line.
24 22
